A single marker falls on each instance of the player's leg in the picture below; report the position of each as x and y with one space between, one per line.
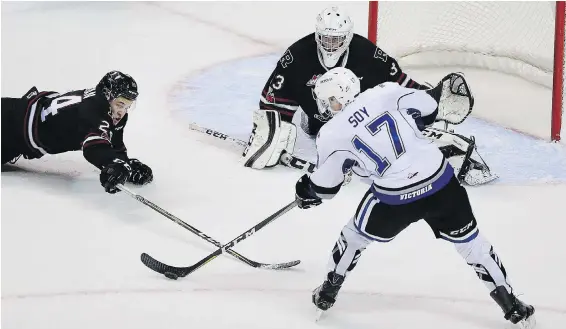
12 125
344 257
373 221
452 219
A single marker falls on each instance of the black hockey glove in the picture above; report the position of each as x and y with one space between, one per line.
113 174
305 195
141 173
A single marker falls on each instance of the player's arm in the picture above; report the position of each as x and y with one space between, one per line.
273 133
393 71
96 145
278 93
328 178
141 173
421 106
387 67
118 137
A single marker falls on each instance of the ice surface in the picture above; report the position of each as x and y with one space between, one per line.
70 252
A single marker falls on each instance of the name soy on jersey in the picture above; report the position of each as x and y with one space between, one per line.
80 119
292 82
377 134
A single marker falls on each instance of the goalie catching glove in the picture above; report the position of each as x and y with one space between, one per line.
454 98
269 139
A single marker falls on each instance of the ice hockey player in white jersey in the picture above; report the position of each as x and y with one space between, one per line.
378 134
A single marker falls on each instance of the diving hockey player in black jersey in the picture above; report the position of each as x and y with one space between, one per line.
91 120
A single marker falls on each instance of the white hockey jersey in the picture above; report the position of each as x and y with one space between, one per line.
377 136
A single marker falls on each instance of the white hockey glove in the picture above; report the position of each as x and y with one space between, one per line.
270 137
463 155
454 97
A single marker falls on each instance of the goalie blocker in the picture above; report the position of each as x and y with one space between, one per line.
269 139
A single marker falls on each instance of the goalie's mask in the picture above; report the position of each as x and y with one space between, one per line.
334 32
121 92
334 90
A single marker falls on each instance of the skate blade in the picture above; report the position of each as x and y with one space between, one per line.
318 315
529 323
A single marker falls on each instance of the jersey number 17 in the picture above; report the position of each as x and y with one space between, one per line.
374 127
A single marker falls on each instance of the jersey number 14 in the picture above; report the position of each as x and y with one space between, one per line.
374 127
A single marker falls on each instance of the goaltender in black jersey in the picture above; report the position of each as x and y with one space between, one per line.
334 44
290 86
91 120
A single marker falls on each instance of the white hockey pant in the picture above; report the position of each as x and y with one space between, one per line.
478 253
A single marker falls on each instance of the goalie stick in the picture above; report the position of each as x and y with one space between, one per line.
204 236
173 272
286 159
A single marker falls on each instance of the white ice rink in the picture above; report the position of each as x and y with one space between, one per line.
70 252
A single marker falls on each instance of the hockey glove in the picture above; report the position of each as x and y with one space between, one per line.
305 195
113 174
141 173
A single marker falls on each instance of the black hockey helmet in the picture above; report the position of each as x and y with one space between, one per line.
117 84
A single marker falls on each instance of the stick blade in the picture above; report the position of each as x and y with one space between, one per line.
171 272
280 266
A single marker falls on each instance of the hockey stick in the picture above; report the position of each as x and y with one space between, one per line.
204 236
286 159
173 272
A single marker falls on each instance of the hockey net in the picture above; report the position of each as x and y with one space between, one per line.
524 39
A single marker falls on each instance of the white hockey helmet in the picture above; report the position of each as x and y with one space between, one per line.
334 90
334 32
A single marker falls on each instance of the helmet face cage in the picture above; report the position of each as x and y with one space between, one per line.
328 107
324 109
331 43
333 34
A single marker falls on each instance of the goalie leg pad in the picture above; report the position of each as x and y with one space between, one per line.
270 137
463 155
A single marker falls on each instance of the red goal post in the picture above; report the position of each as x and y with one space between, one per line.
448 29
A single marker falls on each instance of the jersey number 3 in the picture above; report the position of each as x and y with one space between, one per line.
374 127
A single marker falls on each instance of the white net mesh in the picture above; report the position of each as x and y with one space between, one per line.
511 37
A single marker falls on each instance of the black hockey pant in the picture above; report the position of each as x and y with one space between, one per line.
13 144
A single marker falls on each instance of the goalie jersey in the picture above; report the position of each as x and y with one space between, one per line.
291 84
378 136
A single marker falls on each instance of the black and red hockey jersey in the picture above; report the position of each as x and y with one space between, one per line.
292 82
76 120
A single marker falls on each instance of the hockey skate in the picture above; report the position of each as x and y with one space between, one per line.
324 296
515 310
